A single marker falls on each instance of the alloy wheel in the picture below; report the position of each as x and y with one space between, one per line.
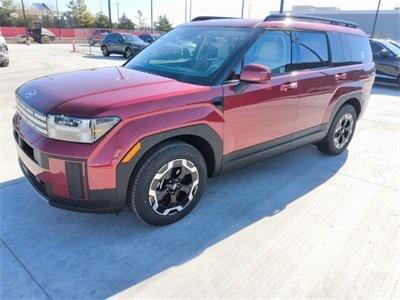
173 187
343 131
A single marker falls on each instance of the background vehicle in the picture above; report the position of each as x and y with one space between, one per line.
4 60
397 44
149 38
121 43
148 134
387 61
97 36
40 34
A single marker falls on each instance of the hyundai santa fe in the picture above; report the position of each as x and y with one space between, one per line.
208 97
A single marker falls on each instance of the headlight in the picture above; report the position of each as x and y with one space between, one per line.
79 129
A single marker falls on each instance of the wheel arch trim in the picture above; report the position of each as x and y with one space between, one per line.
198 133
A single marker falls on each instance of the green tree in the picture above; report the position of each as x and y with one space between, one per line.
126 23
102 21
81 15
162 24
8 13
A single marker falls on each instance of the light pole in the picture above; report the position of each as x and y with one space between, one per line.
376 18
190 10
109 14
248 13
117 12
151 17
281 8
27 41
242 9
185 11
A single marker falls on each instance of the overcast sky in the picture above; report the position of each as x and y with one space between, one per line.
175 9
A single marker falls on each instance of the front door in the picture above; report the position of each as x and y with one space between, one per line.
262 115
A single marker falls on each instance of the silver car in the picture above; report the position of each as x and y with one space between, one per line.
4 61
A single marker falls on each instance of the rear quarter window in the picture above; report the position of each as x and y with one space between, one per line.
349 49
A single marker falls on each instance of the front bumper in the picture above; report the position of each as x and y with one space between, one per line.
63 181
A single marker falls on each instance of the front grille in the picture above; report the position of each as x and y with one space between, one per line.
34 118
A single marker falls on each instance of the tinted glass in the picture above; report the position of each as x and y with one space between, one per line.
376 48
310 50
337 49
392 48
272 49
132 38
190 54
356 49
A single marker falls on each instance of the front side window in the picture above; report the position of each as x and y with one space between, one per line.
272 49
190 54
310 50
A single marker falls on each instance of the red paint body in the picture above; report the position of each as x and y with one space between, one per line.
149 104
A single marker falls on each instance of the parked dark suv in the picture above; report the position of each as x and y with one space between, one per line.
126 44
386 56
148 134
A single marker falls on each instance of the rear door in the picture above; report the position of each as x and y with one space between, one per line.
315 82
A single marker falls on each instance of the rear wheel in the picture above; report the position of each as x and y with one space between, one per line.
128 53
341 131
104 50
168 184
45 39
5 63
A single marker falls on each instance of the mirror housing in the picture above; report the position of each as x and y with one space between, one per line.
255 73
385 53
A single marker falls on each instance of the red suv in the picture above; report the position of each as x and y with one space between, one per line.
207 97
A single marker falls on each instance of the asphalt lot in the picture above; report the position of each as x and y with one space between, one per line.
301 225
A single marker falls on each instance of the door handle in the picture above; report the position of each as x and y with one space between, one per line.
340 76
288 86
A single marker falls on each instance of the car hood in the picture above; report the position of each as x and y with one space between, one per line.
91 92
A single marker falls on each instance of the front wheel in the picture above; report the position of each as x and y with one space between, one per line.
128 53
104 50
168 184
45 39
340 132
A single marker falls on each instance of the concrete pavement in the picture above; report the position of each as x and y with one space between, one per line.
301 225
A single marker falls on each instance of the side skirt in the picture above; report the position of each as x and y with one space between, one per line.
253 154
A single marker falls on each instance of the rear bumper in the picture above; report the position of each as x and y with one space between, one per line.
63 181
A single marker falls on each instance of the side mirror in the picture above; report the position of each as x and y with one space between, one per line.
385 53
254 73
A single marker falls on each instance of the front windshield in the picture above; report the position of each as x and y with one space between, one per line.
189 54
132 38
392 48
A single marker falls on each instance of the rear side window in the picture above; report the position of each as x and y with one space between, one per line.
357 49
376 48
349 49
310 50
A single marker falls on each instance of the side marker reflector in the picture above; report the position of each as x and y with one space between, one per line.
135 149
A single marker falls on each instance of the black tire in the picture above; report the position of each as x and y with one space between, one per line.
159 160
5 63
44 39
332 144
128 53
104 50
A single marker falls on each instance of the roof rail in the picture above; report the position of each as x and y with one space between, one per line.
277 17
204 18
